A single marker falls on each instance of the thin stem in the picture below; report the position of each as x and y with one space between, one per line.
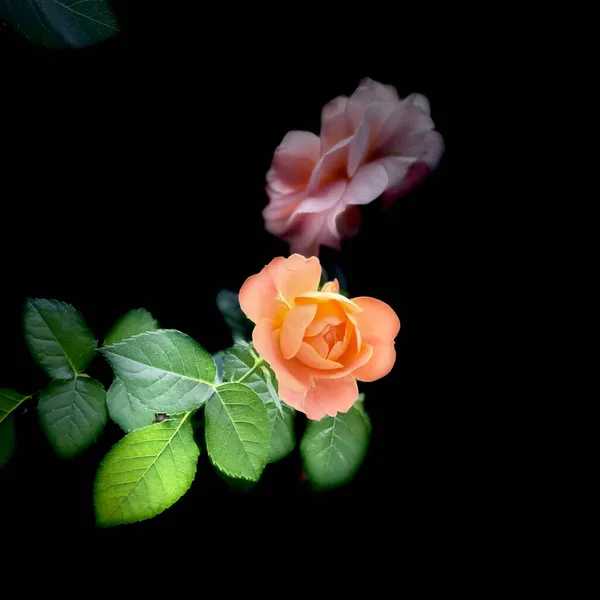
259 363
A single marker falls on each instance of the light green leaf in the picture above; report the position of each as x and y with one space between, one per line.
58 338
9 401
146 472
166 370
125 409
73 414
333 448
228 304
130 324
237 431
238 362
61 23
7 440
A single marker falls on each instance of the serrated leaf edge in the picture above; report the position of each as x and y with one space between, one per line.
145 333
104 345
68 455
270 432
172 417
212 384
55 302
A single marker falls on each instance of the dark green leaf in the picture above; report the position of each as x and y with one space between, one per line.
238 361
61 23
73 414
333 448
166 370
146 472
126 410
58 338
237 431
9 401
7 440
130 324
228 304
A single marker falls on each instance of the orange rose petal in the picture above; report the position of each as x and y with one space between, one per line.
331 287
329 397
377 319
355 329
258 297
290 373
311 358
293 329
310 297
381 363
340 347
337 350
354 363
326 397
295 275
319 344
328 313
292 398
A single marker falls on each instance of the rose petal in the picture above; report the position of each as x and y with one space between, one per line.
323 198
367 92
337 350
311 358
335 125
353 330
294 161
325 398
357 360
290 373
319 297
373 118
372 179
295 275
281 207
346 222
331 166
308 232
328 313
294 328
406 118
377 321
331 286
380 364
258 297
319 344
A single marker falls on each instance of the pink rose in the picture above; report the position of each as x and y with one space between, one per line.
372 143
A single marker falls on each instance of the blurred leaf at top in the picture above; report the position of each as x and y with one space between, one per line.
61 23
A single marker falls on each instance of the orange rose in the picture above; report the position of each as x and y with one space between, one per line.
318 343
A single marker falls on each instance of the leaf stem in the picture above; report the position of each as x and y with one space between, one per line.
259 363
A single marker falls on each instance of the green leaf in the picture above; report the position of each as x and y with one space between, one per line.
234 484
7 440
166 370
73 414
146 472
237 431
125 409
228 304
130 324
333 448
61 23
237 363
58 338
9 401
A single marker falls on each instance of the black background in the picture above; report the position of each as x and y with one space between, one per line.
133 176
